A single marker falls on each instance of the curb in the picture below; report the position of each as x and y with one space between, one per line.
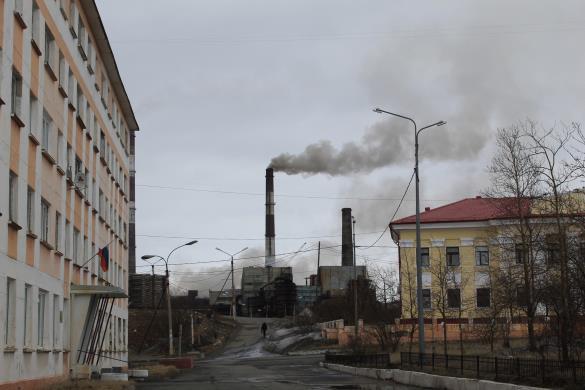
424 380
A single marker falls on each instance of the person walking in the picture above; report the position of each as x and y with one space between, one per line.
264 328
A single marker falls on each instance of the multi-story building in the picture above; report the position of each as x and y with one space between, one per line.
474 246
66 166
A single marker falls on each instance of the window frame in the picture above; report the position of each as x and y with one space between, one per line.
12 196
450 256
450 298
424 256
477 297
45 210
427 300
480 251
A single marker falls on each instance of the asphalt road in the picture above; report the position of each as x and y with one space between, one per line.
245 365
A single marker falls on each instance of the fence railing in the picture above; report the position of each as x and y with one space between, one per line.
379 360
495 367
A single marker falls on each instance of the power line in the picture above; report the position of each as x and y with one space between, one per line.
240 258
245 238
395 212
332 197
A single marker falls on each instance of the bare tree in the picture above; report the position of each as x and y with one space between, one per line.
408 294
551 149
514 174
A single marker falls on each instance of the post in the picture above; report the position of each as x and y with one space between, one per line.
355 292
233 292
496 366
153 285
192 331
180 339
477 365
169 311
419 298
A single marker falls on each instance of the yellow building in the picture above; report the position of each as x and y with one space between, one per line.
66 165
464 245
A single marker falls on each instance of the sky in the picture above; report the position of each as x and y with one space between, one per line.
222 89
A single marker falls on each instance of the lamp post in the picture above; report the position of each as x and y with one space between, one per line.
233 284
168 292
419 297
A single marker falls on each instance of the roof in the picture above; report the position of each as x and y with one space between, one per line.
103 45
470 210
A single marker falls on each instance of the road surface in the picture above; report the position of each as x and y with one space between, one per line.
243 364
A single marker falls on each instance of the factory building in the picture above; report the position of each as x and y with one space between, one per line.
66 193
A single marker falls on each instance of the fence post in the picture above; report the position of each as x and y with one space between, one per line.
518 366
574 372
496 366
461 364
433 362
477 365
446 361
420 360
542 373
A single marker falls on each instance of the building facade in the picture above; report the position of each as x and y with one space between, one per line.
476 255
66 172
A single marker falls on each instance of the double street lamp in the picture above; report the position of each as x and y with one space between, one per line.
233 284
419 297
167 290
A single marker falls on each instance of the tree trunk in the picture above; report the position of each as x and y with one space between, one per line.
444 335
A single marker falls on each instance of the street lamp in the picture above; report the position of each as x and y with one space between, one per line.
419 297
168 292
233 284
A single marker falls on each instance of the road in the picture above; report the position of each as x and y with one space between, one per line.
243 364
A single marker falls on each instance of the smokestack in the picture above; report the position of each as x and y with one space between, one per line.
270 248
346 238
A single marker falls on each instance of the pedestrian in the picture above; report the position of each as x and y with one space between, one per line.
263 328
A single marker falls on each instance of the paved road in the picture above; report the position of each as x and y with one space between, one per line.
244 365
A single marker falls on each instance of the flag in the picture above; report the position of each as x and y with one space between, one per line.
104 255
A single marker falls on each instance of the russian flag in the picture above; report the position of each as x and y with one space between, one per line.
104 255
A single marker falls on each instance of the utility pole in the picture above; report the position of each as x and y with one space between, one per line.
233 292
233 282
355 287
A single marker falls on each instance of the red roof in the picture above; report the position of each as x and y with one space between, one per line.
468 210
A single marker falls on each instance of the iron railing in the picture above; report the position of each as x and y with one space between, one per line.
495 367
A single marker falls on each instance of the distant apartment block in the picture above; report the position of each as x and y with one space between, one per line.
66 191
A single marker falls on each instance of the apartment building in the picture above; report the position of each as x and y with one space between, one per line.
66 173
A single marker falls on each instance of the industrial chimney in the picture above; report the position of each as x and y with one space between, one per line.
346 238
270 249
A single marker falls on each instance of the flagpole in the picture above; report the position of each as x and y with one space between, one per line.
84 264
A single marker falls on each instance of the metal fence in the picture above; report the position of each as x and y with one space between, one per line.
379 360
496 367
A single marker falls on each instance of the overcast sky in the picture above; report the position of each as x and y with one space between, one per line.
221 87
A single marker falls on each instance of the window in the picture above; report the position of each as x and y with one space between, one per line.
72 18
51 56
553 250
56 315
27 326
10 319
103 144
424 257
76 244
80 103
85 249
483 297
452 256
60 156
33 121
36 24
46 136
426 298
68 239
101 202
41 307
71 87
16 94
65 322
44 220
521 296
482 255
12 196
57 230
30 210
78 166
453 298
62 70
521 253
